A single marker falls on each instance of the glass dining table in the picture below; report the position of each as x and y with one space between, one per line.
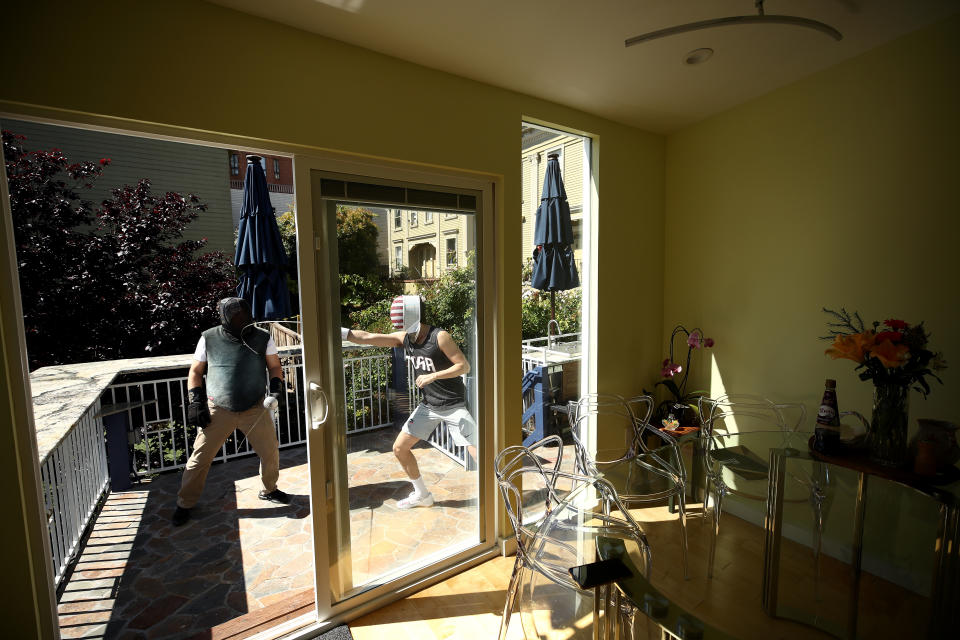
766 543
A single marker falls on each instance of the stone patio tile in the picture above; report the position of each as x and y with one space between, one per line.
157 611
83 631
88 618
96 583
87 606
239 561
86 594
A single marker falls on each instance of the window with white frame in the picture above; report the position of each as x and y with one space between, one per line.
234 164
276 169
398 257
413 218
452 252
428 217
397 219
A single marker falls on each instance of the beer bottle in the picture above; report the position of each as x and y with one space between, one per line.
826 438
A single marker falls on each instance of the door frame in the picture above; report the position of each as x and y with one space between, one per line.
306 157
320 336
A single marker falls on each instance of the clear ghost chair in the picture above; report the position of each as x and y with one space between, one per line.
734 414
533 486
640 474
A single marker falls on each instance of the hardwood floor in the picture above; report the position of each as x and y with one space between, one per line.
469 606
465 606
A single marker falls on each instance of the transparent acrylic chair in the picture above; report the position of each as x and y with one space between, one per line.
533 487
589 517
744 473
639 473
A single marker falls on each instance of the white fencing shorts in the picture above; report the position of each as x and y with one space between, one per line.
460 423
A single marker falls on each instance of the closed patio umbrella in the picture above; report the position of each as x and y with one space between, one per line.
260 255
554 268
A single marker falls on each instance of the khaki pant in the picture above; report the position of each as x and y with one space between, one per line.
257 426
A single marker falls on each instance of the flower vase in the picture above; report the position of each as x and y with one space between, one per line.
887 440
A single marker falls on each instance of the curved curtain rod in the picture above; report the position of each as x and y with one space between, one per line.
721 22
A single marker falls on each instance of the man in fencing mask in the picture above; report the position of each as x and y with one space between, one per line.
437 365
235 356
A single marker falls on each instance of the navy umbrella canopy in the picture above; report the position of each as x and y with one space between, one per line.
554 268
260 255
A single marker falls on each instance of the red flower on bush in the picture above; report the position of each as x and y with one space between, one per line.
895 324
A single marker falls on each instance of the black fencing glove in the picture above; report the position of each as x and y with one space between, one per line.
198 413
277 391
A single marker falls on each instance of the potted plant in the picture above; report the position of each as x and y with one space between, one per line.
679 410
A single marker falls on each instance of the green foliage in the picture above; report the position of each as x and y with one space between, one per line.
362 281
357 241
287 223
535 312
359 293
374 317
451 301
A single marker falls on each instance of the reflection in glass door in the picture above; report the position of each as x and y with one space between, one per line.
405 429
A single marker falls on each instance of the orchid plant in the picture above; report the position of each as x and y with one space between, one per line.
675 376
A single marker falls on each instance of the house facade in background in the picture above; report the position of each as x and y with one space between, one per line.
425 244
279 172
170 166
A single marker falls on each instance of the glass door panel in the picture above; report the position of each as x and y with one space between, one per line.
391 434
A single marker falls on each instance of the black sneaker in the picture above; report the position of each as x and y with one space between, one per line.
275 496
180 516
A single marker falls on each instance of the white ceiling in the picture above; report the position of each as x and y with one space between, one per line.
572 51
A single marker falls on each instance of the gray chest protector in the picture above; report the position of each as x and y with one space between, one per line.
236 372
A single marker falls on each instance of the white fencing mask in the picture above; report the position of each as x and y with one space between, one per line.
405 313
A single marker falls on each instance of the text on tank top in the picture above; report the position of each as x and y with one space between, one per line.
428 357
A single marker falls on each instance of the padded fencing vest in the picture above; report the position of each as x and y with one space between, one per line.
236 375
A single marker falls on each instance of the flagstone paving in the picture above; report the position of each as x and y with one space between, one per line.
139 577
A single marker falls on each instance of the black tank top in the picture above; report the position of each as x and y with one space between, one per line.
428 357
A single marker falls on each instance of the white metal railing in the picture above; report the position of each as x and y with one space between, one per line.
162 441
549 350
366 383
536 352
74 478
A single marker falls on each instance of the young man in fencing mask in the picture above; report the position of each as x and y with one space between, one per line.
438 364
236 356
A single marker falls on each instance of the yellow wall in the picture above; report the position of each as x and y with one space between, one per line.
172 63
838 190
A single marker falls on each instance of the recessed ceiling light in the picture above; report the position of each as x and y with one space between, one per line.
698 56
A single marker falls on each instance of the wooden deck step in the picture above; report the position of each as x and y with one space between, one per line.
298 603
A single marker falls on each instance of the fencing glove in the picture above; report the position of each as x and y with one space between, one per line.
198 413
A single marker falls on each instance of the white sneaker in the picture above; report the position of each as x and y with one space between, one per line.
414 500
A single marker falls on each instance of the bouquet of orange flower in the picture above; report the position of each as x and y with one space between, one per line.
892 353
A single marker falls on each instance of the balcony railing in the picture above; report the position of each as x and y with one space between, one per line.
74 469
73 480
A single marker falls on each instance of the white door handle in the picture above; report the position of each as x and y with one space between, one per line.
318 390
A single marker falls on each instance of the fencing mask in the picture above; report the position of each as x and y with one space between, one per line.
406 313
235 316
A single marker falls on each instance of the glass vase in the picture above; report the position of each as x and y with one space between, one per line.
887 442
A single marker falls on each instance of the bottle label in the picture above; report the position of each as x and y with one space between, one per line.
826 415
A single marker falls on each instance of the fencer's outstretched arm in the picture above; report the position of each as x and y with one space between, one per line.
359 336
